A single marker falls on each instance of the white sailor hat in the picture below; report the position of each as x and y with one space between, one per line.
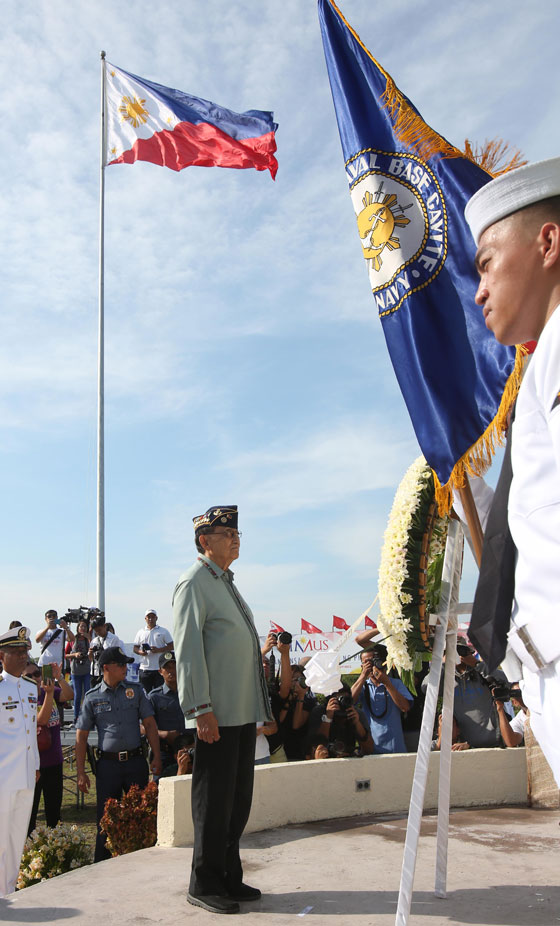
17 636
510 192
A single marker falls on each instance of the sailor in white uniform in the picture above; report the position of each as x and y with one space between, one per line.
515 221
19 755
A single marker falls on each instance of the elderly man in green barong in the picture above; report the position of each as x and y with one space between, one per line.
223 694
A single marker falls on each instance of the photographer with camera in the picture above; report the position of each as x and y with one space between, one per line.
104 639
473 704
278 686
183 756
151 642
53 639
344 728
291 706
382 699
512 729
80 665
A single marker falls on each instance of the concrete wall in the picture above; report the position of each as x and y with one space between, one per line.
297 792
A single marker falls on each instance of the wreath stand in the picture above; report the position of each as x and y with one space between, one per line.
445 640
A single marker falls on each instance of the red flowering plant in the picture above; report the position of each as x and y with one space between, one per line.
131 823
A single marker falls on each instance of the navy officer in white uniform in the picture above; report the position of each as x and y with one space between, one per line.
515 221
19 755
115 708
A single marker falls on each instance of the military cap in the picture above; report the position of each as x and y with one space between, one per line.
164 658
225 515
114 654
17 636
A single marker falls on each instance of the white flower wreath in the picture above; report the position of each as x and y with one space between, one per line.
410 571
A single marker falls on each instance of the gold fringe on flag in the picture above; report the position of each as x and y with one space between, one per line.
496 157
477 459
410 128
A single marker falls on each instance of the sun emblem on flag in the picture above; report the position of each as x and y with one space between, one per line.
132 110
376 224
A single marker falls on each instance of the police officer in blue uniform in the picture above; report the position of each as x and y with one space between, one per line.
168 715
115 707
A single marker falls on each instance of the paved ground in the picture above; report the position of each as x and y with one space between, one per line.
504 870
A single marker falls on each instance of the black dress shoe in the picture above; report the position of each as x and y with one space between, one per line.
214 903
244 892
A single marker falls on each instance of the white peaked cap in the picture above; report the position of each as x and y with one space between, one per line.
512 191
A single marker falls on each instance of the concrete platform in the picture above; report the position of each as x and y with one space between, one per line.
504 870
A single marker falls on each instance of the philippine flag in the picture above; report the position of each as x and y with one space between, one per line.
148 122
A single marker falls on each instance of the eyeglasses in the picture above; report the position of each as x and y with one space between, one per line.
229 532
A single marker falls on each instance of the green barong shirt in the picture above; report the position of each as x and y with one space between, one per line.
217 649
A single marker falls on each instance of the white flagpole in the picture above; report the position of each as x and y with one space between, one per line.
101 365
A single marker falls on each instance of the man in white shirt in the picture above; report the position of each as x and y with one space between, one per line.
19 754
149 644
515 221
103 639
53 638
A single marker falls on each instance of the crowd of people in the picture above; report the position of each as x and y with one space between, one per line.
146 720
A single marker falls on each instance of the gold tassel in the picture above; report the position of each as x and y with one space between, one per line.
476 461
410 128
496 157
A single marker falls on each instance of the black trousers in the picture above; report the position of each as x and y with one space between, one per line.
113 779
222 791
150 679
50 786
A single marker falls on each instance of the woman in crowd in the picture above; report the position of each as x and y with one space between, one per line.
80 665
52 691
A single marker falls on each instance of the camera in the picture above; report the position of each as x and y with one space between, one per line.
337 750
283 637
464 650
377 663
344 702
501 693
75 615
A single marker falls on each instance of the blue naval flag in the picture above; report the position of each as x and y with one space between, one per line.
409 187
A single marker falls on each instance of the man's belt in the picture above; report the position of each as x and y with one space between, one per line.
120 756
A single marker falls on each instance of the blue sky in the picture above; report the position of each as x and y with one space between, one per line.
244 360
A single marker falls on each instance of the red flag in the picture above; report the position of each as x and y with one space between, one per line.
306 627
338 623
371 625
276 628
